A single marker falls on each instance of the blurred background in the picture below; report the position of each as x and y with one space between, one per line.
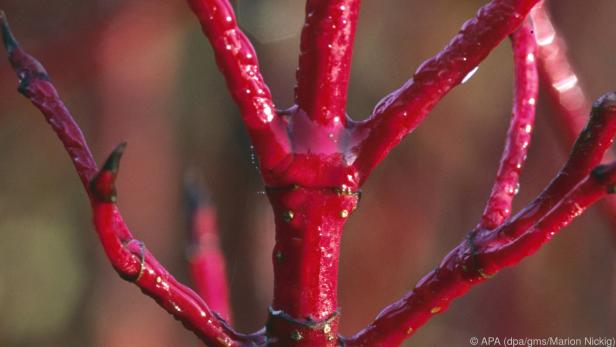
141 71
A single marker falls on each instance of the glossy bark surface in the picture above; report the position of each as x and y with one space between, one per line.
314 160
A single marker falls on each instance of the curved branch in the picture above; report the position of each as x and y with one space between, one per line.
34 84
237 60
325 59
127 255
485 252
404 109
498 207
134 263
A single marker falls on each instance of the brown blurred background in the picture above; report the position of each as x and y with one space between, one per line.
141 71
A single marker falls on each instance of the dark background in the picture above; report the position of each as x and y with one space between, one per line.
141 71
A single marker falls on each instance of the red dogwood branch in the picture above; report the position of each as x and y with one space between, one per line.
34 84
129 257
498 207
314 160
237 61
561 82
207 263
485 252
402 111
325 60
558 75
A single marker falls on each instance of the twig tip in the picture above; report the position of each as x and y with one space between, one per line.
113 161
606 102
10 43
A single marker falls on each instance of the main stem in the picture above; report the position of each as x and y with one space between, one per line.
309 224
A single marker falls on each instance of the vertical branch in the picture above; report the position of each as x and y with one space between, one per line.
498 207
206 260
325 59
237 60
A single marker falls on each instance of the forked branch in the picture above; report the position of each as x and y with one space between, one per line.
485 252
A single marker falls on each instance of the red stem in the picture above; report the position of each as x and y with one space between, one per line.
206 260
558 75
309 225
403 110
498 207
325 60
563 89
237 61
128 256
485 252
34 84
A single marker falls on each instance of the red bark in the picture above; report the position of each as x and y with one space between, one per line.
486 251
128 256
325 60
314 159
498 207
207 263
564 91
403 110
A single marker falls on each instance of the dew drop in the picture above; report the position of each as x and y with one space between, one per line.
288 216
470 74
279 256
528 128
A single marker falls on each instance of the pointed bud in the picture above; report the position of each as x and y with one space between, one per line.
102 187
113 162
10 44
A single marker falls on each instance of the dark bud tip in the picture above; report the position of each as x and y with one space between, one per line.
102 186
195 194
606 102
10 44
112 164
